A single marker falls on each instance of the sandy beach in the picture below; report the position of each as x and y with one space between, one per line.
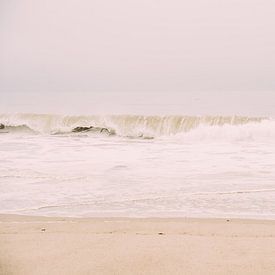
39 245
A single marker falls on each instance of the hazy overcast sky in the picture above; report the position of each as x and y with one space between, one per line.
151 47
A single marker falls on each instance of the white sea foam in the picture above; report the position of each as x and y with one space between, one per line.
193 166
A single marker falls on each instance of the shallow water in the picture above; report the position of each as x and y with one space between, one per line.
221 169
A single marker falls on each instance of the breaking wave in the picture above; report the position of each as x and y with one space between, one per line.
135 126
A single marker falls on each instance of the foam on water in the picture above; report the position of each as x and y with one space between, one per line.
194 166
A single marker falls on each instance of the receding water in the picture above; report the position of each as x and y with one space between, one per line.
148 166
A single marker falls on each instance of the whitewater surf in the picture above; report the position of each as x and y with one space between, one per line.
138 166
121 125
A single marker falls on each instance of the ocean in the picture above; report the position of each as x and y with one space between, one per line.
137 165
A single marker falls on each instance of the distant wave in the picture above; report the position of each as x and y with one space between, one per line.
135 126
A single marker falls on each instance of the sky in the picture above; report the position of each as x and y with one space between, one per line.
179 56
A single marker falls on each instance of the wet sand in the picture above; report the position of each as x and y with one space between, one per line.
39 245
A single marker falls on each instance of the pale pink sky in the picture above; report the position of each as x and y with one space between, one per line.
143 49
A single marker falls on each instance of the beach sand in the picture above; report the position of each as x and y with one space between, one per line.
39 245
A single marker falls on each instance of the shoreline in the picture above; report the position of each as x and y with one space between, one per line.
56 245
19 217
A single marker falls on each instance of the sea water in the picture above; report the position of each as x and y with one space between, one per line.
144 166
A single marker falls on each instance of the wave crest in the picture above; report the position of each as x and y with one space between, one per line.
127 125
